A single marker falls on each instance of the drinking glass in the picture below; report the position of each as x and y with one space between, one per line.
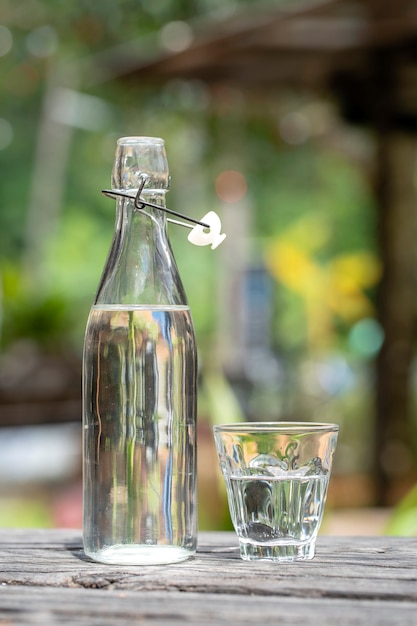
277 475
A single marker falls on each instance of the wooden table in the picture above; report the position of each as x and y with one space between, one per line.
46 579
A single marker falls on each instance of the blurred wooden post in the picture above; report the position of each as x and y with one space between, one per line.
396 161
396 195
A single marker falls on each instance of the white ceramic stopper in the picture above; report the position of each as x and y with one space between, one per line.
200 236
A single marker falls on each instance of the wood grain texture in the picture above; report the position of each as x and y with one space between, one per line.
46 579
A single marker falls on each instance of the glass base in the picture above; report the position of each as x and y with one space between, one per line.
139 554
282 552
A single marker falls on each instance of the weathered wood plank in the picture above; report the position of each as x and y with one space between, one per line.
348 567
46 578
83 607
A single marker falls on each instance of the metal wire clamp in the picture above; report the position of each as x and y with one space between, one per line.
140 203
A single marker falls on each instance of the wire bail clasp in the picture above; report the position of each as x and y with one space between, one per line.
204 232
139 204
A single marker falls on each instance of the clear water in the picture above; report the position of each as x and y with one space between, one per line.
139 435
277 514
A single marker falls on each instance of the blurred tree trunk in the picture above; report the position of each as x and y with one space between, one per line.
49 170
396 199
396 196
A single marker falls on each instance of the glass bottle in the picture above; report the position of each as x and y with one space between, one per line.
139 383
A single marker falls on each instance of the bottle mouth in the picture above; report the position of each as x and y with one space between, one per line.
140 155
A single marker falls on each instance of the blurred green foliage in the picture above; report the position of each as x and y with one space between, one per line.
43 317
403 521
309 200
307 193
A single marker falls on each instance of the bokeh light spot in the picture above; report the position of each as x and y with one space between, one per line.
176 36
231 186
366 337
6 40
42 42
294 128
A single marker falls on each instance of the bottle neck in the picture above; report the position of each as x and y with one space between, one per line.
141 268
148 217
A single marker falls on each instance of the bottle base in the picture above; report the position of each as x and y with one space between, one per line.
140 554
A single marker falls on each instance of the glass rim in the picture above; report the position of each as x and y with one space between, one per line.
131 140
276 427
